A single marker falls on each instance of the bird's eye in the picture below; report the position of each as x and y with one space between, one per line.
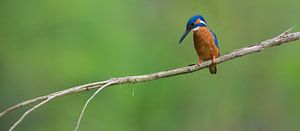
191 26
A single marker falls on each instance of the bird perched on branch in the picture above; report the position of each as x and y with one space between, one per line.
205 41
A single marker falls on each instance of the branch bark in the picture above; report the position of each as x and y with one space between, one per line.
276 41
87 102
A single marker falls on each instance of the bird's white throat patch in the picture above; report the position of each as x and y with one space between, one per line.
196 28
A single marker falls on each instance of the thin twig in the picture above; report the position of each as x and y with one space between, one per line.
283 38
28 112
87 102
51 97
61 93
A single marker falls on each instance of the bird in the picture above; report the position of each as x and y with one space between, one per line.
205 41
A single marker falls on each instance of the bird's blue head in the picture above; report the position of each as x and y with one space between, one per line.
193 24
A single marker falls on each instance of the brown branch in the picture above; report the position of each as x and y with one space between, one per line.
87 102
283 38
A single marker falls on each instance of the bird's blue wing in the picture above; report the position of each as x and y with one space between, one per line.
215 39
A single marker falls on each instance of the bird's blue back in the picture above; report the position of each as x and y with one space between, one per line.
215 40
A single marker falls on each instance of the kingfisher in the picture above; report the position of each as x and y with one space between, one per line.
205 41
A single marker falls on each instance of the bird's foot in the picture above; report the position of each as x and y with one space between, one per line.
213 60
200 62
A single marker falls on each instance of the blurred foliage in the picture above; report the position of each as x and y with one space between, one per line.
51 45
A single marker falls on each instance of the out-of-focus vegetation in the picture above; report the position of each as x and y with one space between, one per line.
50 45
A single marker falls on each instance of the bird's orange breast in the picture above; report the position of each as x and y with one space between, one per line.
204 44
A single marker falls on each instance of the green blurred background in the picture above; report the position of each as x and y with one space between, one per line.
51 45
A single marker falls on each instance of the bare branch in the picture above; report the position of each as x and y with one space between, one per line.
87 102
49 98
28 112
61 93
283 38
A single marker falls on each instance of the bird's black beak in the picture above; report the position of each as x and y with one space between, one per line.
184 35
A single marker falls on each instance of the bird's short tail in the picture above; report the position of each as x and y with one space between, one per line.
213 69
